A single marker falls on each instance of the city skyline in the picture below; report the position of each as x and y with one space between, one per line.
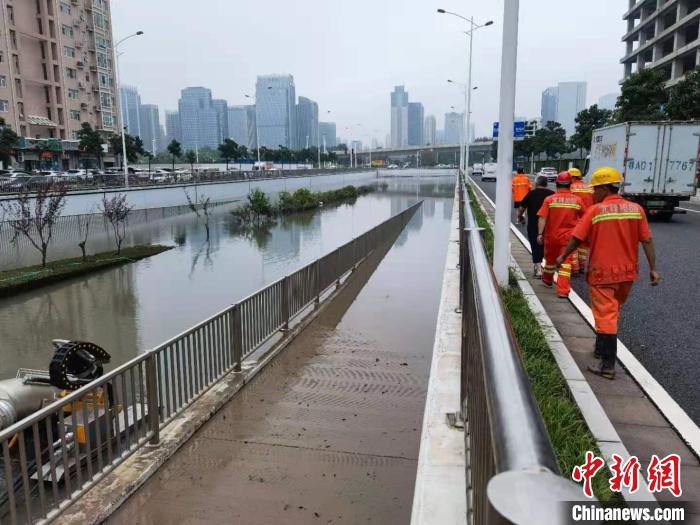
405 59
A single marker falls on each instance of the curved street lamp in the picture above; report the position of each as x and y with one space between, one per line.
473 26
125 161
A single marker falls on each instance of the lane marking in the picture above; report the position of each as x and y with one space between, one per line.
679 419
688 209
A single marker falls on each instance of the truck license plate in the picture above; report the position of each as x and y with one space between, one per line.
656 204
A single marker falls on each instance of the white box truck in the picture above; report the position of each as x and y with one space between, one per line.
658 162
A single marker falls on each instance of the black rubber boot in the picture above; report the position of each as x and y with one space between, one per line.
597 351
608 351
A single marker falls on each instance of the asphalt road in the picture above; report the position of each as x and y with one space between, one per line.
661 326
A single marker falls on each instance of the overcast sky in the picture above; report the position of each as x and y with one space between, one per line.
348 55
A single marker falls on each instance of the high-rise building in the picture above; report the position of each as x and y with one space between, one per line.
454 128
130 109
172 127
275 111
439 136
199 121
56 71
307 123
662 35
328 135
608 101
399 117
571 100
150 128
221 108
241 125
429 130
549 105
416 114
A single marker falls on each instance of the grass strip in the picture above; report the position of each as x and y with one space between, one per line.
259 206
31 277
567 428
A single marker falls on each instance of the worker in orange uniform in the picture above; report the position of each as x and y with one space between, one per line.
584 191
521 187
614 227
558 216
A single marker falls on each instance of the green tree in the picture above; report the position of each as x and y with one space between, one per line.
229 151
175 149
550 140
191 157
684 98
642 98
134 147
586 121
9 140
91 142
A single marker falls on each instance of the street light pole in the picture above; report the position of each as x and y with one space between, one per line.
125 163
473 26
509 69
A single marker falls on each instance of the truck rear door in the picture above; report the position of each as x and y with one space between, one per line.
679 159
643 165
608 149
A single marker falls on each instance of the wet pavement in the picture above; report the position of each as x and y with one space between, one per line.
329 432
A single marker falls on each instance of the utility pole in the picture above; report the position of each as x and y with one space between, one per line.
504 203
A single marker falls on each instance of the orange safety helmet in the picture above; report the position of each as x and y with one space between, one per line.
575 172
564 178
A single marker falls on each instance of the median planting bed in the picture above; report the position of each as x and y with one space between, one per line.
30 277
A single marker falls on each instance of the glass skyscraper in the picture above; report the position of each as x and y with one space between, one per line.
130 109
276 111
199 122
307 123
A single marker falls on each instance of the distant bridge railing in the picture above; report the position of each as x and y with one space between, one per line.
84 435
513 475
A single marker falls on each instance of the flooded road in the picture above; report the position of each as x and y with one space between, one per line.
134 307
329 431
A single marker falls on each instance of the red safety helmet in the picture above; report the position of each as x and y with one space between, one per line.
564 178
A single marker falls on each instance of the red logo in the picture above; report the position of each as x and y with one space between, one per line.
624 474
587 472
665 474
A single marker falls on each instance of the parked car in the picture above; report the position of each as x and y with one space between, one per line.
550 173
490 170
26 183
393 166
77 174
162 176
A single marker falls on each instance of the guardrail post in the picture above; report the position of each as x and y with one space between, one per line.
152 399
237 338
284 306
337 268
317 282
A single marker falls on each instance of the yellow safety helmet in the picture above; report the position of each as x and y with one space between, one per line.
605 176
575 172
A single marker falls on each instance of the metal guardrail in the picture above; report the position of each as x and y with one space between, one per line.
112 182
507 446
83 436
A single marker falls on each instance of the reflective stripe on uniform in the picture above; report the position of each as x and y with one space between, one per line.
617 216
564 205
564 274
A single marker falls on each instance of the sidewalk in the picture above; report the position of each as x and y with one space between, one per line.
642 428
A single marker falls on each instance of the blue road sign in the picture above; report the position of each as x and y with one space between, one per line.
518 129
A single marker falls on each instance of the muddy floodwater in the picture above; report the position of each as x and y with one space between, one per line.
329 431
132 308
